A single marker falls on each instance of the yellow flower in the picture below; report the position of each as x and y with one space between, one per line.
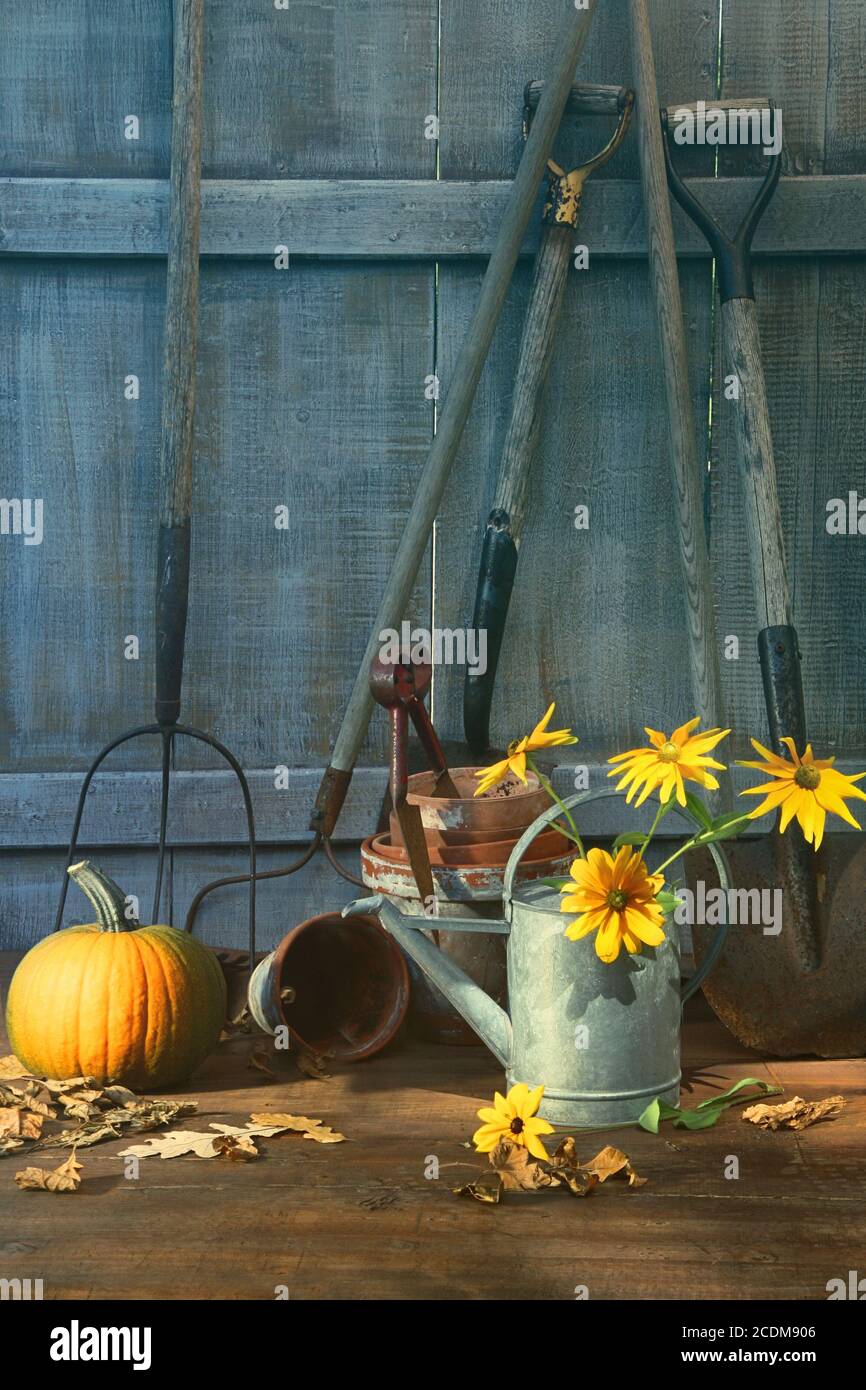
669 763
806 787
617 900
513 1117
516 760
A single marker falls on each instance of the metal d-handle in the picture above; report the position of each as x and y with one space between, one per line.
582 798
733 254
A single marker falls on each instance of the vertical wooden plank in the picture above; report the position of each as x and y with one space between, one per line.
600 610
492 48
311 400
597 618
74 440
314 88
812 316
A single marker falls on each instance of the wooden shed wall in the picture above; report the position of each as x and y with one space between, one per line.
312 394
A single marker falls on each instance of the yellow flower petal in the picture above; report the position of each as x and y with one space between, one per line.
535 1146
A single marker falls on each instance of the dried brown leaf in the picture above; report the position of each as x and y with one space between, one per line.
239 1148
9 1143
259 1060
487 1188
313 1064
565 1170
18 1123
300 1124
517 1169
11 1067
795 1113
203 1144
66 1178
610 1162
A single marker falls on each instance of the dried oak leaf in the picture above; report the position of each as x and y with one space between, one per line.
201 1143
487 1188
66 1178
31 1096
18 1123
11 1067
517 1169
142 1115
300 1124
610 1162
795 1113
239 1148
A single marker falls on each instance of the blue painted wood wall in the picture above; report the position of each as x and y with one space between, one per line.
312 395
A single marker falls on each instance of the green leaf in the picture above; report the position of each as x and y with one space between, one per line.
656 1111
630 837
725 1096
707 1111
557 883
669 901
699 810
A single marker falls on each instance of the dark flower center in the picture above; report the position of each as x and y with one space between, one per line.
808 777
517 1125
617 899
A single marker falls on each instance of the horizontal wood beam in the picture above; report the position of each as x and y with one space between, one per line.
36 809
375 219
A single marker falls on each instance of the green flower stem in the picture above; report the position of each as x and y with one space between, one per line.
662 810
703 837
548 787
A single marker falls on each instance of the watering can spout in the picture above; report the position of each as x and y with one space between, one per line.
489 1021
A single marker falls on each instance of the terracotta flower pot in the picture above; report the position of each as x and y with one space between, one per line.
507 808
546 846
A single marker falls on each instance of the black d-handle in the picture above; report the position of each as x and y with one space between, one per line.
733 254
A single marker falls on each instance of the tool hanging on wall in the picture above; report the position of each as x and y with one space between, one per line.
803 990
504 529
176 456
570 41
687 468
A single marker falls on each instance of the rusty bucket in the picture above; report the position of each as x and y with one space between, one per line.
341 988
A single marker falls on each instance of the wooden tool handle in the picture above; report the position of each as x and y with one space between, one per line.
762 514
181 314
178 392
536 350
686 466
467 371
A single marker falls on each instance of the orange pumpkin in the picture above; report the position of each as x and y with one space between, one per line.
139 1005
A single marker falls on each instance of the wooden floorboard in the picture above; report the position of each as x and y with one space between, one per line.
361 1221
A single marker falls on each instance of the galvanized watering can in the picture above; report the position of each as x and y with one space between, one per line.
604 1040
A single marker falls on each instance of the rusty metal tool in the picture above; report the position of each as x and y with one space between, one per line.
400 689
803 990
504 529
176 457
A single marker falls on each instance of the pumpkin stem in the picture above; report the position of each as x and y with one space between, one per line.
108 900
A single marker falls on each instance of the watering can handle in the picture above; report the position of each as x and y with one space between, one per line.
602 793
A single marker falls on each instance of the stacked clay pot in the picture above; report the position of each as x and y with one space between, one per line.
469 841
